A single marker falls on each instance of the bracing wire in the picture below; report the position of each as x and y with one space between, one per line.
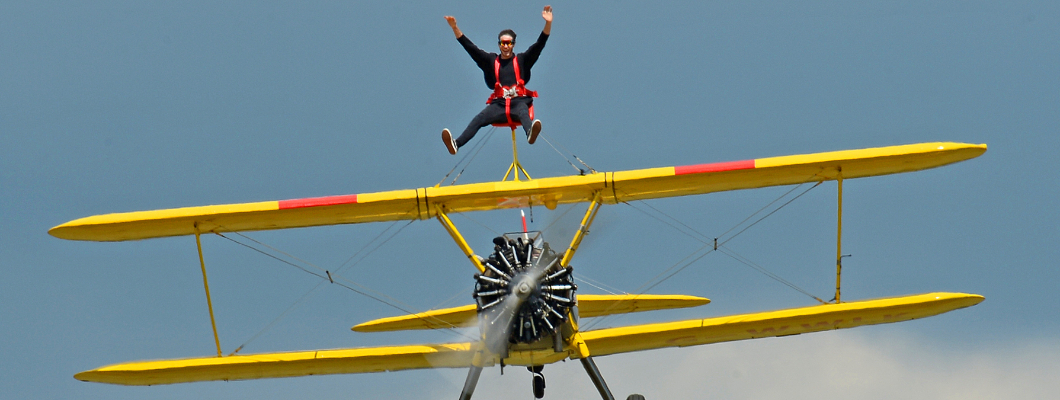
796 187
759 268
597 284
580 171
334 278
474 153
278 318
709 247
770 213
484 226
348 260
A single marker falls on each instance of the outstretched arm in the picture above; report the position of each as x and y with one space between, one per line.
546 14
456 30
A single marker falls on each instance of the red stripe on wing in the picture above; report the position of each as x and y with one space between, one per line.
715 167
318 201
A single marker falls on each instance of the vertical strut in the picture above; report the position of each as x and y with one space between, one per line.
839 235
206 285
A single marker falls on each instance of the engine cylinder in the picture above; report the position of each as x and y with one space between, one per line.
519 268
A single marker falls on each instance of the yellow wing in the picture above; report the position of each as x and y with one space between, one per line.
280 365
597 343
589 305
773 323
615 186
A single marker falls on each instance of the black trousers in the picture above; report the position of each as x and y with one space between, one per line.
494 114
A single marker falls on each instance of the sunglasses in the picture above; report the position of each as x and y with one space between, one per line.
506 43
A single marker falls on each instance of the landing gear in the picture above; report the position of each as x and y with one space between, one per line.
539 380
598 380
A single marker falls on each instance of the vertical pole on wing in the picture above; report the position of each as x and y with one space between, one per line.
206 285
839 235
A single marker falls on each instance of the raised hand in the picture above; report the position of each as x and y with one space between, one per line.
452 24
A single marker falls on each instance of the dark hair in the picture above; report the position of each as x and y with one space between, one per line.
508 32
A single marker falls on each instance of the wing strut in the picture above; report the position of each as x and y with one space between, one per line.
839 233
587 221
206 285
458 238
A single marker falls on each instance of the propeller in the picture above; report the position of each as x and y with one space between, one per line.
523 296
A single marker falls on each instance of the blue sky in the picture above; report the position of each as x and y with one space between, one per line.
124 106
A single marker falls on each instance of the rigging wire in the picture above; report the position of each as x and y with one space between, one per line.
343 265
580 171
708 246
278 318
770 213
557 219
306 295
479 223
769 205
328 276
325 275
474 153
597 284
759 268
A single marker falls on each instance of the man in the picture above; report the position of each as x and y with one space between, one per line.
506 73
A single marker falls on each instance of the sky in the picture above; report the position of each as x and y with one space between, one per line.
124 106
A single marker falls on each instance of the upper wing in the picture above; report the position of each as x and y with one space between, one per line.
614 186
773 323
280 365
589 305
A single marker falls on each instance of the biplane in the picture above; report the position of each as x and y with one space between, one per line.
526 304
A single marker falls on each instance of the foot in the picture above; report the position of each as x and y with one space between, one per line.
534 130
450 144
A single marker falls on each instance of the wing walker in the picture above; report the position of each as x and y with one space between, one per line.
526 303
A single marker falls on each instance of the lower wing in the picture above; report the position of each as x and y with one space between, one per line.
773 323
597 343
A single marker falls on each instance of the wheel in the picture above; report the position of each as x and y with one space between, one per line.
539 386
635 396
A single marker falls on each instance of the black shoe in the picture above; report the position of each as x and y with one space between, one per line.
450 144
534 130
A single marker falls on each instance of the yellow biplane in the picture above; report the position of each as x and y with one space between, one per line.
526 306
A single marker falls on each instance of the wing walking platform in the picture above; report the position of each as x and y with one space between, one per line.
424 203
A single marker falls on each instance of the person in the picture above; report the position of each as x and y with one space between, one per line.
506 74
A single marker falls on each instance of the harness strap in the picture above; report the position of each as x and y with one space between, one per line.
499 90
508 109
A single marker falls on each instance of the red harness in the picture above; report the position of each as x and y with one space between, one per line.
508 92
